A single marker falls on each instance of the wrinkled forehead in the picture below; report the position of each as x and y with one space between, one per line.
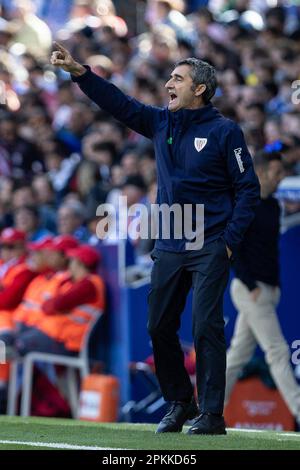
182 71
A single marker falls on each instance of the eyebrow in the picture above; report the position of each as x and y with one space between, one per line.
176 75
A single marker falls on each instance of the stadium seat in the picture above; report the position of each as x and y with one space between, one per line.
81 363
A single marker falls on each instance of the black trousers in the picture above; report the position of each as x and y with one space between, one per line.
173 275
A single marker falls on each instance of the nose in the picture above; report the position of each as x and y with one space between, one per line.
168 84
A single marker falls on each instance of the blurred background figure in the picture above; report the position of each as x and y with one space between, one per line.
15 276
66 314
71 216
30 31
28 220
255 291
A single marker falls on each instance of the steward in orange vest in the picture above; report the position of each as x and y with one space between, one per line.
49 256
15 276
67 316
25 314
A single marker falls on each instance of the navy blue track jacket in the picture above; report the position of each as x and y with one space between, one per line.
220 175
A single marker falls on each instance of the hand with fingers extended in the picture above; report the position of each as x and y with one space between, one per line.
61 57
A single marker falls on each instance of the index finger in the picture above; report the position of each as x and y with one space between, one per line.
58 46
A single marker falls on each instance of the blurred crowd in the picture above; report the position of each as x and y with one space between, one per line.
61 156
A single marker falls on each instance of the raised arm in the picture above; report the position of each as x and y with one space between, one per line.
141 118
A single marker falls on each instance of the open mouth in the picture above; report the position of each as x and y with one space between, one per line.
172 97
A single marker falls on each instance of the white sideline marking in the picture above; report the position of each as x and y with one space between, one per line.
61 445
57 445
281 434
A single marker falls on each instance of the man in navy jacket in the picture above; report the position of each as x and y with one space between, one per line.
202 161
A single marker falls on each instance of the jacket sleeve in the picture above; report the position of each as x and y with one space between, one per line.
11 296
80 293
142 118
245 185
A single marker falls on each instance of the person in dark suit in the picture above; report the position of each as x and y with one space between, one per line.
202 162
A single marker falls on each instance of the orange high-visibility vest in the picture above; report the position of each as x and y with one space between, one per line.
29 312
6 316
71 328
12 272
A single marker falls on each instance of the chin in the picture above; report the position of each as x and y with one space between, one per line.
173 107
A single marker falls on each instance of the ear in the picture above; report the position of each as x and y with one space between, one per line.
200 90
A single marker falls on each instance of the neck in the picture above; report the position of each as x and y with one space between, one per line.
264 192
80 274
196 105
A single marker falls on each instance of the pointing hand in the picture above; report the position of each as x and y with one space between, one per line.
61 57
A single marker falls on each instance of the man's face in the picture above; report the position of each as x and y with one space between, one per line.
74 266
271 176
56 260
132 193
38 260
275 174
180 88
10 251
8 131
22 197
67 221
25 220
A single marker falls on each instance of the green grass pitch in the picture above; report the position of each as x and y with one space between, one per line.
41 433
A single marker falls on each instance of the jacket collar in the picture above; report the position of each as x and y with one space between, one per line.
203 114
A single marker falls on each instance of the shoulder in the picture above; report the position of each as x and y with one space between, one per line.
227 126
96 280
224 130
273 201
162 114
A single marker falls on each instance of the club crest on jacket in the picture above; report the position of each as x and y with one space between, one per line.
199 143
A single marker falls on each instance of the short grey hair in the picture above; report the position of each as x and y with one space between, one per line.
76 207
202 72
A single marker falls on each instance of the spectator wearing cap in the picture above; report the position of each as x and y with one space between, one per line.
71 216
59 247
49 258
15 276
26 313
69 313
